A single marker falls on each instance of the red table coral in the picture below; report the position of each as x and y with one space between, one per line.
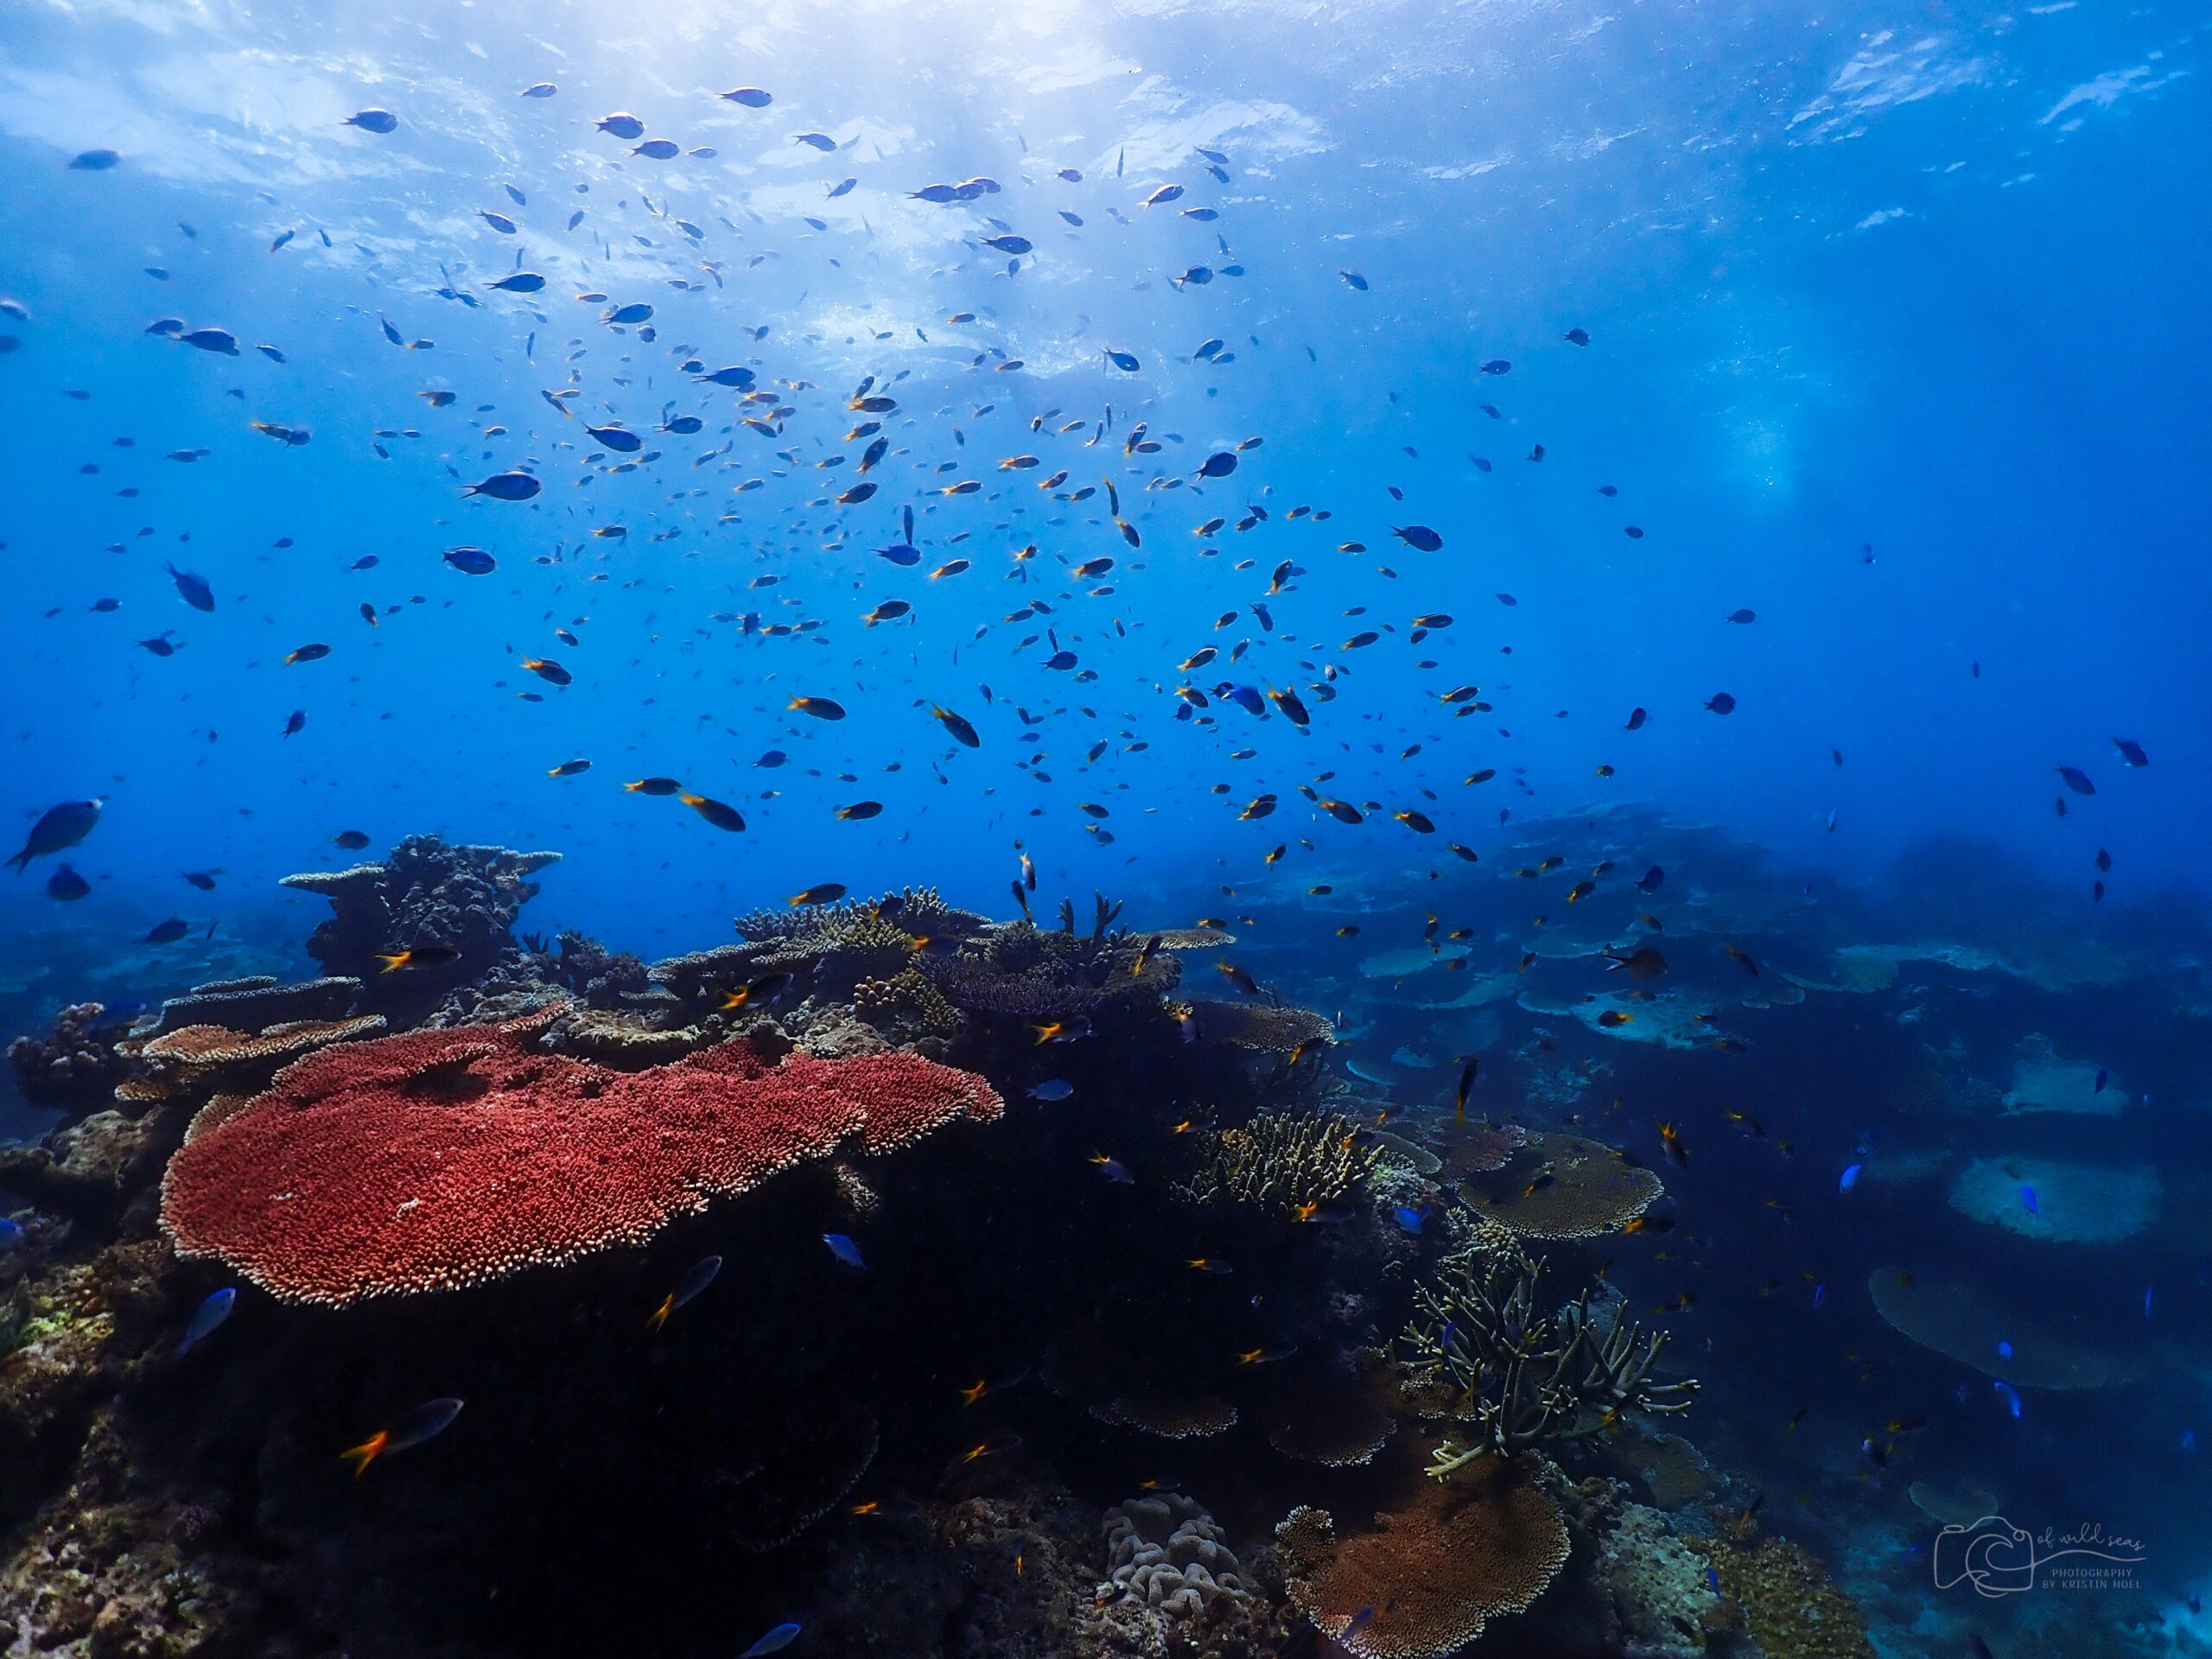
440 1158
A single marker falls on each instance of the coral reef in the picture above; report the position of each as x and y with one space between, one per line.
2014 1341
1288 1164
1166 1551
440 1159
1488 1347
188 1057
2064 1202
1561 1186
600 978
257 1003
75 1065
1787 1602
424 894
1435 1569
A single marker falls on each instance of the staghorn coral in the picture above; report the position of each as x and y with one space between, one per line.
1789 1604
257 1003
1436 1569
1485 1347
1283 1162
425 893
73 1065
1166 1551
440 1159
1561 1185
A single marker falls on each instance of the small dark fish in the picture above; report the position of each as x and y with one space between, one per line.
751 97
295 723
1722 704
308 654
2131 752
1636 719
193 589
1741 616
59 827
471 561
1220 464
1352 279
820 707
94 160
623 126
2077 781
167 933
619 439
714 811
515 485
373 121
66 884
352 840
203 879
696 1279
1576 336
1420 536
654 787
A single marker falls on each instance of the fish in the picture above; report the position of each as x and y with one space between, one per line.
653 786
696 1279
825 892
1722 704
568 769
408 1430
308 654
59 828
192 590
1114 1170
765 988
1850 1178
207 1318
352 840
548 669
167 933
783 1635
470 560
514 485
820 707
2077 781
1467 1087
715 812
377 121
844 1250
421 955
66 886
1051 1091
1420 537
2131 752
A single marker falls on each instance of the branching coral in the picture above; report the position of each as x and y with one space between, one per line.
1485 1347
1287 1163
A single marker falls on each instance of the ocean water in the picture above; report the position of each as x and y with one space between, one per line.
1753 456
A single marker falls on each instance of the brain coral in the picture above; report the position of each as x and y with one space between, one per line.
440 1158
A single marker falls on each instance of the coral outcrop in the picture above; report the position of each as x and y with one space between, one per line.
1166 1551
75 1064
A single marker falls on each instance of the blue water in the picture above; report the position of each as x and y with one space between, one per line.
1894 322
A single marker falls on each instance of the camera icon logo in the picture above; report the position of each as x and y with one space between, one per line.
1994 1556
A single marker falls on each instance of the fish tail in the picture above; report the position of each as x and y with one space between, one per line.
365 1454
391 963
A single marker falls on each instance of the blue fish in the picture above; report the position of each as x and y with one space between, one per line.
1248 698
1408 1220
1819 1292
2004 1349
207 1320
2189 1439
775 1641
2146 1301
2028 1198
193 588
2012 1395
845 1250
1850 1179
11 1234
1053 1089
